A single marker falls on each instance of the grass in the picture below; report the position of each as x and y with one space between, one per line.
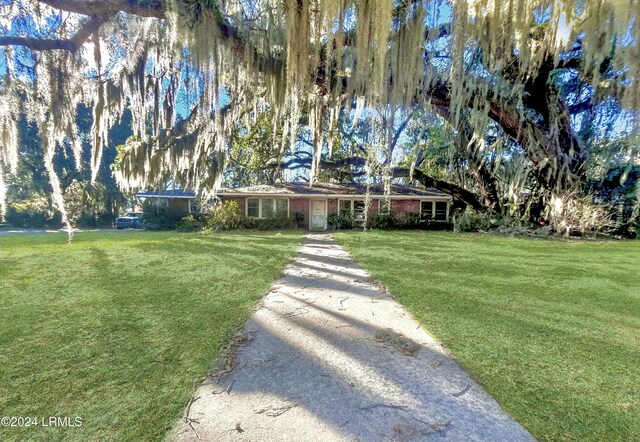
550 328
118 328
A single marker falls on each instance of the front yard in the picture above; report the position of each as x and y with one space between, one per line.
118 328
551 329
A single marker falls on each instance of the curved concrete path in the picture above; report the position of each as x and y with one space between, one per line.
326 361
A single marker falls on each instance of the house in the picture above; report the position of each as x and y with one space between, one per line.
181 200
321 200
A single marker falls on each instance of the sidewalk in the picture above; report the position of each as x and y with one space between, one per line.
331 356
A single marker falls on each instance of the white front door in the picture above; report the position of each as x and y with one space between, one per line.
318 215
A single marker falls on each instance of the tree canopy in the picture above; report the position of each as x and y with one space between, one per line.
525 89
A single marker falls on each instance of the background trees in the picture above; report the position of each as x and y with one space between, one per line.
513 96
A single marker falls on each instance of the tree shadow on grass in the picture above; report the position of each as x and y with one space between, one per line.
344 382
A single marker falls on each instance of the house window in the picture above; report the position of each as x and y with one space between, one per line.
441 210
282 205
358 210
266 207
426 209
353 208
253 207
345 208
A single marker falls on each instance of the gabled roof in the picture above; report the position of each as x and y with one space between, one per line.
329 189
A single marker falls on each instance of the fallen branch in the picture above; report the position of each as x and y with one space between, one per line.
191 401
275 411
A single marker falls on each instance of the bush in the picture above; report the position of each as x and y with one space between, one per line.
340 222
226 216
298 217
191 223
436 224
409 220
383 220
471 221
32 214
160 216
86 220
279 221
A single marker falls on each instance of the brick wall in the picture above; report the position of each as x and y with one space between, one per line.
333 206
405 206
300 205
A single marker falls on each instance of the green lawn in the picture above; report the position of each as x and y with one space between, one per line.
551 329
117 328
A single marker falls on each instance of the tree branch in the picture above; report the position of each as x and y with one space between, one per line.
458 192
71 44
143 8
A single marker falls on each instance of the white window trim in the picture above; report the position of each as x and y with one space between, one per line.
433 207
352 203
272 198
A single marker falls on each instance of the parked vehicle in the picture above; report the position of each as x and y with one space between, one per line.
130 220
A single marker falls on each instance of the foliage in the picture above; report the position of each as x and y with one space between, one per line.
572 214
191 223
279 221
548 328
160 216
33 214
298 217
472 221
126 324
226 216
388 220
512 83
255 152
338 221
619 188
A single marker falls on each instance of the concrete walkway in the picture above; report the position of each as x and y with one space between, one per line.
331 356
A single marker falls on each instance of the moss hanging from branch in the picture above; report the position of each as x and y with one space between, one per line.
315 56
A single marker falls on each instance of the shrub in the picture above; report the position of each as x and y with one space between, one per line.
298 217
280 220
190 223
340 222
32 214
226 216
436 224
86 220
382 220
472 221
412 220
160 216
396 220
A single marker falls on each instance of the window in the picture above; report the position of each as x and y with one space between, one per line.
353 208
426 209
441 210
253 207
282 206
345 208
358 209
266 207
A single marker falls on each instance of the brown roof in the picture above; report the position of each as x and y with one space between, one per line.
329 189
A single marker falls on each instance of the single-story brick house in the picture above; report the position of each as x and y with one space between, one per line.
321 200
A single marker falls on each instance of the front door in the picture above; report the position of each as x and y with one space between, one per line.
318 215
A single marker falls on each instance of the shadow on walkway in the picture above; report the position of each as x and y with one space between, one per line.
320 366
